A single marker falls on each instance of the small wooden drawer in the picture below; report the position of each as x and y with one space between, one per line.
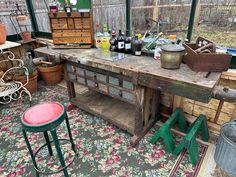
80 72
89 73
71 33
81 80
114 91
70 23
113 80
128 85
59 24
72 40
102 87
91 83
82 23
101 77
128 96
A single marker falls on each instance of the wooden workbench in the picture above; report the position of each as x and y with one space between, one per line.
125 89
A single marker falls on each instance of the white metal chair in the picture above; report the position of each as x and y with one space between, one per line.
12 90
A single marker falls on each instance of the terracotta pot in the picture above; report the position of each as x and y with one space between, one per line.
50 75
3 33
32 85
26 36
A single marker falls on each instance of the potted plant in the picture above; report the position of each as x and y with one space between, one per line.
21 76
50 72
3 33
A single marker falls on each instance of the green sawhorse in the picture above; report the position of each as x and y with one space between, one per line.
165 130
189 142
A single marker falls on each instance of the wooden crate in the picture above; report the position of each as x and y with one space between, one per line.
73 30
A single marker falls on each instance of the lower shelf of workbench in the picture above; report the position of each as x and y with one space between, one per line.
112 110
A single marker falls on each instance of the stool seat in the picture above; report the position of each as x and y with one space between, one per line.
43 113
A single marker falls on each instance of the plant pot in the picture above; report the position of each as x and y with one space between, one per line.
50 75
32 85
26 36
3 33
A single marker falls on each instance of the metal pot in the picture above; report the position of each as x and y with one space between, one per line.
171 56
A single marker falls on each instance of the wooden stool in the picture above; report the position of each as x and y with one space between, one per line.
43 118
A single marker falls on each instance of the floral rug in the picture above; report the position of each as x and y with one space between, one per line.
104 150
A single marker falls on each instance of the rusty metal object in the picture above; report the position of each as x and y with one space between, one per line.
199 50
200 60
224 93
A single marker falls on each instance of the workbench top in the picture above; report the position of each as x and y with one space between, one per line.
183 81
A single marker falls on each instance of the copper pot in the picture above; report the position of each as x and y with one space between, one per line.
3 33
171 56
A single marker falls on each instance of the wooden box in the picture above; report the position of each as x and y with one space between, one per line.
205 62
73 30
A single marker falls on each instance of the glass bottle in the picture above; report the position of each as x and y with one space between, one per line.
137 46
106 37
113 42
53 6
98 37
121 42
127 43
68 7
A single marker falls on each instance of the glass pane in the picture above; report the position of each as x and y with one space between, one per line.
41 14
8 7
216 20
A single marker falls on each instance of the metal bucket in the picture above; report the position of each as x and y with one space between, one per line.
226 148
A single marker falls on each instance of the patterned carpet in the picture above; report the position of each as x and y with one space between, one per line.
104 150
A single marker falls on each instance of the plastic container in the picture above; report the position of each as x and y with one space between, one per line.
226 148
232 51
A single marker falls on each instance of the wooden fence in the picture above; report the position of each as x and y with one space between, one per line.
172 15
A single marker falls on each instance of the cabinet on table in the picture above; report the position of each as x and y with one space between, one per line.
72 30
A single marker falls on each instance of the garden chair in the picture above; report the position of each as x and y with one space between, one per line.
11 90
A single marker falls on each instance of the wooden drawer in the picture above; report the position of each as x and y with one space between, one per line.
59 24
71 33
82 23
72 40
70 22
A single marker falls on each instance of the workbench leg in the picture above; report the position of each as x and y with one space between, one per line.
140 129
70 85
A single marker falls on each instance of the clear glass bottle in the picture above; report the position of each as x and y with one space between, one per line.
98 37
113 42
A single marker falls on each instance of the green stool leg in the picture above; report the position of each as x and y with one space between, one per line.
30 151
48 143
59 153
193 151
70 135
